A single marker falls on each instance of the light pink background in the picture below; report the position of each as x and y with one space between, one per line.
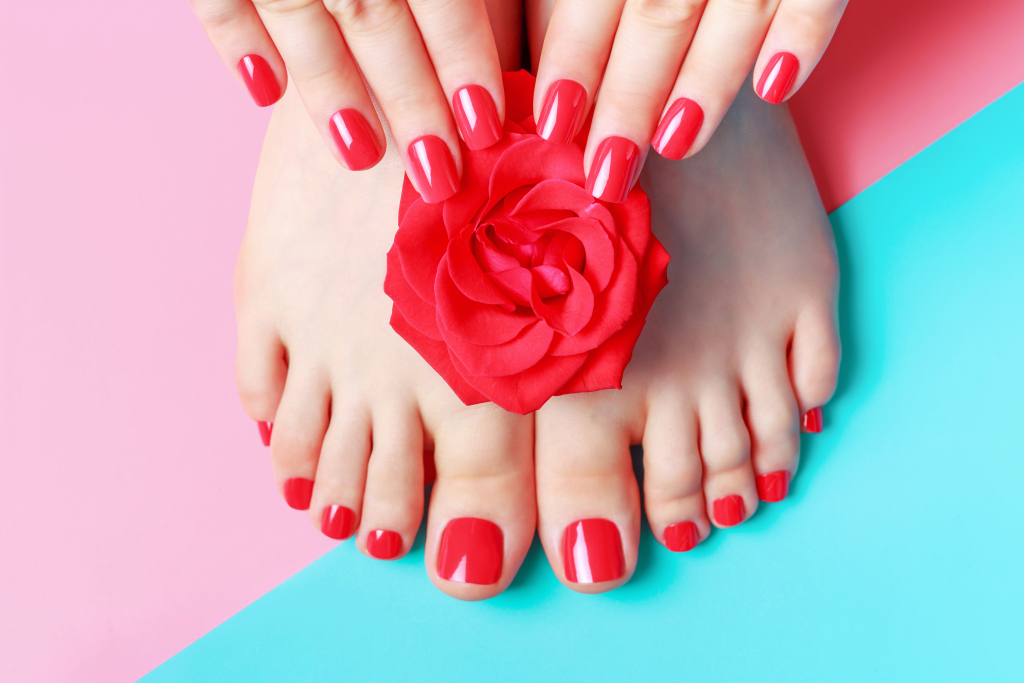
137 508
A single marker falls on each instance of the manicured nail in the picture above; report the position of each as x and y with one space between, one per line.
729 511
678 128
266 429
681 537
260 80
355 139
613 169
429 468
433 169
773 487
562 111
477 117
471 551
592 551
778 77
814 421
384 545
336 522
297 492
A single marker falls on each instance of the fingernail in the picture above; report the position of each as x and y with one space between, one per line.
384 545
297 492
336 522
611 172
477 117
260 80
814 421
433 169
778 77
562 111
773 487
681 537
355 139
266 429
678 128
729 511
592 551
471 551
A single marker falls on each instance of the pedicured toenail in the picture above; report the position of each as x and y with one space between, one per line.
729 511
592 551
814 421
773 487
471 551
682 537
297 492
266 429
384 545
336 522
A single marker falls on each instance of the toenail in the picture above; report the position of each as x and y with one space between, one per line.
266 429
336 522
773 487
592 551
471 551
383 544
681 537
813 421
297 492
729 511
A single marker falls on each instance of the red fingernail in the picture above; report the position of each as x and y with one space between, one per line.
681 537
729 511
773 487
778 77
336 522
562 111
592 551
814 421
433 169
471 551
678 128
297 492
429 469
384 545
260 80
612 171
355 139
477 117
266 429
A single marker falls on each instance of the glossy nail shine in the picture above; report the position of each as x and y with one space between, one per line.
477 117
729 510
682 537
813 421
562 112
355 139
337 522
259 80
773 487
613 169
471 551
678 129
383 544
592 551
778 77
433 169
266 431
297 492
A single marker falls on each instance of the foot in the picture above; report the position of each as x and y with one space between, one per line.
738 347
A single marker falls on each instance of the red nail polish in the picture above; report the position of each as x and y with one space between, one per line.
336 522
260 80
729 511
678 128
773 487
477 117
355 139
384 545
814 421
429 468
433 169
778 77
297 492
562 111
681 537
471 551
266 429
613 169
592 551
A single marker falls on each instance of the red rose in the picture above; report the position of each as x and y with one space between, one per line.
522 286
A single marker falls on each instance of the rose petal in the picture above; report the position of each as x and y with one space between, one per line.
653 273
510 358
527 391
415 310
472 321
555 194
490 258
567 249
463 207
531 160
570 313
606 364
633 220
550 281
436 355
599 248
470 280
422 241
409 195
515 283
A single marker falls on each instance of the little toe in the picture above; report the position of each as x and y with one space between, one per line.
337 500
729 489
260 373
299 430
773 419
814 363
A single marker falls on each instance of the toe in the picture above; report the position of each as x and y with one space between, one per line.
337 501
773 421
260 372
814 363
729 489
299 431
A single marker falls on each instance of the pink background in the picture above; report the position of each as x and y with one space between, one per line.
137 507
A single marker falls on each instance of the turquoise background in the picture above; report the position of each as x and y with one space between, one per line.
897 556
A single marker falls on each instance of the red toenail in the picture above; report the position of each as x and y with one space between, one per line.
729 511
681 537
297 492
592 551
471 551
773 487
384 545
266 429
336 522
813 421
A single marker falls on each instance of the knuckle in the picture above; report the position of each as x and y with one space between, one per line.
365 16
755 7
669 14
283 6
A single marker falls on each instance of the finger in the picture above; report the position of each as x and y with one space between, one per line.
799 34
241 40
327 79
